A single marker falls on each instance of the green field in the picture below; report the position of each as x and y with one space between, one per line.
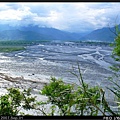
11 48
16 45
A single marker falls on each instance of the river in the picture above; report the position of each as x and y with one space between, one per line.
40 62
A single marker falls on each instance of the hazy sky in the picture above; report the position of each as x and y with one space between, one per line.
68 16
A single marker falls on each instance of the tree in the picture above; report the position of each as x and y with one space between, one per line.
116 68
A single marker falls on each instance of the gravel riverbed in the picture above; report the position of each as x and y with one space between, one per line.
33 67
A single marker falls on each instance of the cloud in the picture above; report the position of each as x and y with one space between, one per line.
74 17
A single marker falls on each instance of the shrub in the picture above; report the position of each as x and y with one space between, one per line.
14 100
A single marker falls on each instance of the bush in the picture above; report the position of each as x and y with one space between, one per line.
14 100
84 100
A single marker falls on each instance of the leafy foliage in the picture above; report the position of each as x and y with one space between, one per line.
116 50
116 69
60 94
84 100
14 100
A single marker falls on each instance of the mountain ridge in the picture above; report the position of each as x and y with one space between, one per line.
103 34
34 32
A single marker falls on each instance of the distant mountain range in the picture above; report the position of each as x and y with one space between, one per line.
36 33
31 32
105 34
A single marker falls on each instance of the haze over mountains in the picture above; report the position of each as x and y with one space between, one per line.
31 32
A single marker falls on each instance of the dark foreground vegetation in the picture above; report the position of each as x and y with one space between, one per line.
66 99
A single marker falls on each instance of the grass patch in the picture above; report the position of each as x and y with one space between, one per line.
16 45
11 48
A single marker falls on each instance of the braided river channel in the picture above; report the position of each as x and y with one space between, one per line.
40 62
